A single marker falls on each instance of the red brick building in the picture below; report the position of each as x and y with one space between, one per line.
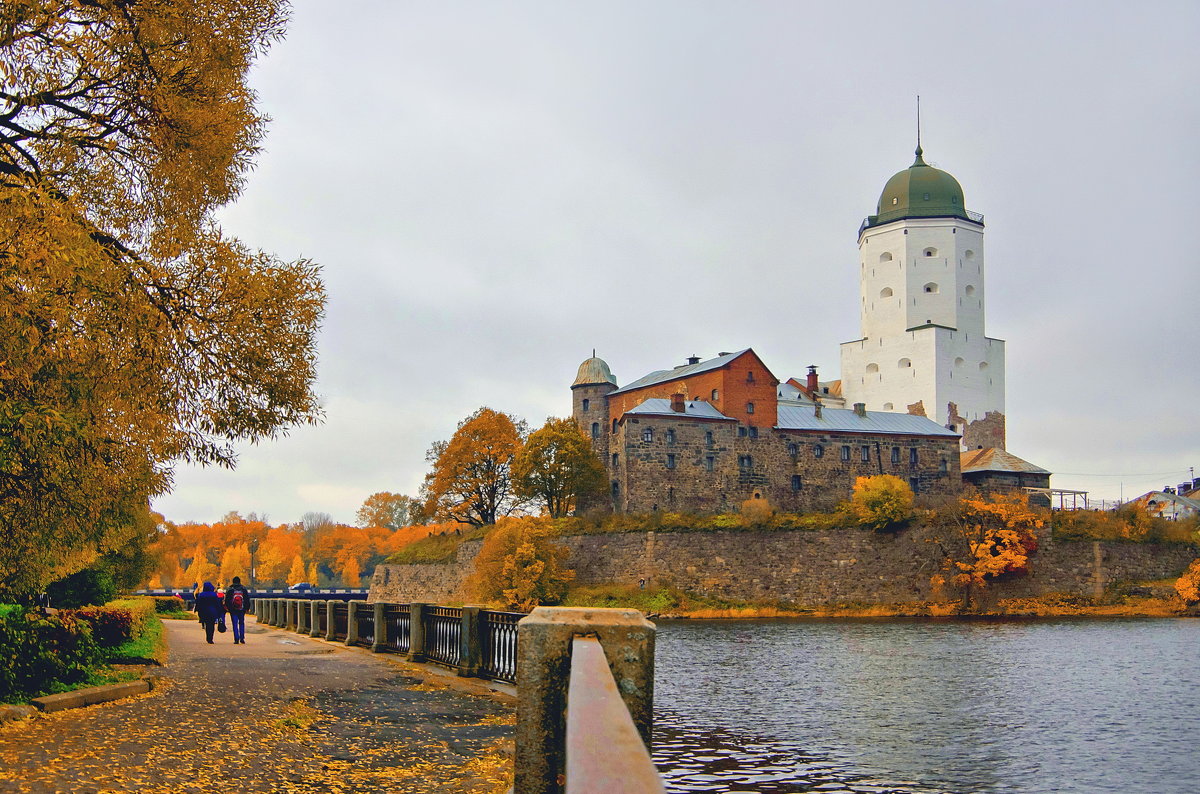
707 435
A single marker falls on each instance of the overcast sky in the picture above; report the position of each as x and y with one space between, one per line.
494 189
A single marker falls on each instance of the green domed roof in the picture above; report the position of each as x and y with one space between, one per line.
592 372
920 191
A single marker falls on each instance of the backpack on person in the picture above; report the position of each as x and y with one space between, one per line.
237 601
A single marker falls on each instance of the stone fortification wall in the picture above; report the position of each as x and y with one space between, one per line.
800 567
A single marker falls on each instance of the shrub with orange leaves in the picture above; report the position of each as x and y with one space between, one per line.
994 538
1188 585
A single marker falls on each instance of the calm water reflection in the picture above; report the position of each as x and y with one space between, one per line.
796 706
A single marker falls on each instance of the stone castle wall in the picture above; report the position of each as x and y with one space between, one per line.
799 567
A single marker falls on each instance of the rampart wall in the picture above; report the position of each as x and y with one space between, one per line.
801 566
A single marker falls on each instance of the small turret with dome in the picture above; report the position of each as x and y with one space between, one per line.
589 401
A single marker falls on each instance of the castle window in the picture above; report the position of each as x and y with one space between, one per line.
715 395
930 252
614 426
818 451
886 292
741 432
670 461
793 450
796 482
708 438
982 365
670 436
749 408
872 368
888 406
753 432
708 463
970 290
912 456
866 454
895 200
886 256
942 466
648 434
671 496
586 403
595 430
616 490
896 455
969 254
931 288
845 452
904 363
915 484
958 362
614 460
745 462
750 376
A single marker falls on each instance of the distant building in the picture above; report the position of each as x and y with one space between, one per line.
708 435
921 275
994 470
1169 504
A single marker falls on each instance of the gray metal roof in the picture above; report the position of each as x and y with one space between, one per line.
992 459
694 409
842 420
664 375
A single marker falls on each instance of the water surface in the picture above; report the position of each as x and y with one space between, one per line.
921 706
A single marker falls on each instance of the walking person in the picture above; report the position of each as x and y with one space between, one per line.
209 610
237 602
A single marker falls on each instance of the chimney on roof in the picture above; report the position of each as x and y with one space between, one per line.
860 409
677 403
813 384
693 359
723 353
817 409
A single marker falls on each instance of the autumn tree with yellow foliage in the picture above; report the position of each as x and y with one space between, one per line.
471 480
133 331
880 502
519 566
991 537
557 467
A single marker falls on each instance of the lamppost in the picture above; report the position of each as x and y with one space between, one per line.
253 546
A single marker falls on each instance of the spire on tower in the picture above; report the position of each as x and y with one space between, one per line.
920 151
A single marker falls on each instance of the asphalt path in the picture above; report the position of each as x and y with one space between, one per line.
282 713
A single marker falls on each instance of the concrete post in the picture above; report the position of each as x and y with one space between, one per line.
352 623
470 648
543 667
303 611
271 606
416 632
289 612
277 612
330 621
381 630
314 618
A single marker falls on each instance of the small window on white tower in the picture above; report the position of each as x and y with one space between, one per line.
886 292
872 368
885 257
958 362
888 407
982 365
931 287
970 290
969 254
930 252
904 363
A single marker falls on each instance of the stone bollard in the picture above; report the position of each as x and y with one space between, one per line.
470 646
352 623
416 632
379 645
277 612
303 611
289 611
314 618
330 621
543 667
272 611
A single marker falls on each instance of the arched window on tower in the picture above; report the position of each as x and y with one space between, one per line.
886 256
904 363
872 368
886 292
586 403
931 288
595 430
931 251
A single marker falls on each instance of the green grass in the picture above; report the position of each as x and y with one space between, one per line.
98 677
7 608
151 645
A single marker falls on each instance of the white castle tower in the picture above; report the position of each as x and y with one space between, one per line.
923 347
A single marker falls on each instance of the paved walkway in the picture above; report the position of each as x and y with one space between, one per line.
282 713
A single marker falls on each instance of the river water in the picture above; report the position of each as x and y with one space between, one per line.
912 707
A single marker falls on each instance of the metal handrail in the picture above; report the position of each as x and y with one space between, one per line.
605 752
499 644
443 634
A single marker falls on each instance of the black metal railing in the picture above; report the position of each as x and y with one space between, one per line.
364 620
443 634
397 619
340 612
499 644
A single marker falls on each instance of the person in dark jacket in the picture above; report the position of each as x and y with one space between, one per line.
237 602
209 609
